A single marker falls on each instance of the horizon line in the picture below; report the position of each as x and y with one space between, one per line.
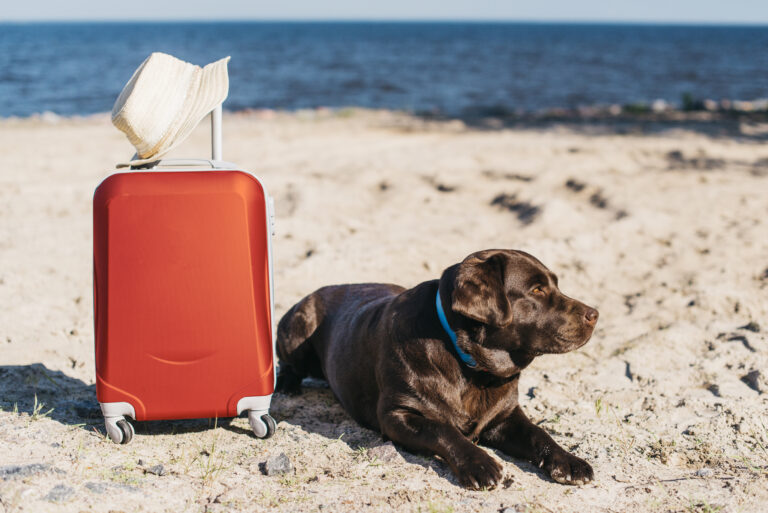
729 23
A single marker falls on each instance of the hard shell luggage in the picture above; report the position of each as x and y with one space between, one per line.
183 294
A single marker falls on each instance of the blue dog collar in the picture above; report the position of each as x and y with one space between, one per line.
467 359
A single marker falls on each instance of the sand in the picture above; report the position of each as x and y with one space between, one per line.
666 232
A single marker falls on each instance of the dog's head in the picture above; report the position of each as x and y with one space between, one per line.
511 303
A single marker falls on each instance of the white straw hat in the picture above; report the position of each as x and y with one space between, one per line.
164 101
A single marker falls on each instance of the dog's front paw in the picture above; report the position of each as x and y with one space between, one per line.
565 468
478 470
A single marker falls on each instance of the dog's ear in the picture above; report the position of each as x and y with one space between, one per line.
479 291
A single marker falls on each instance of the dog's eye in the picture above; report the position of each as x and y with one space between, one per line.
539 290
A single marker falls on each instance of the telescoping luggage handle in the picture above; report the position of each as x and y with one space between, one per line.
216 133
216 152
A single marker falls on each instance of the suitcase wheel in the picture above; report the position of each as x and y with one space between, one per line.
263 425
119 430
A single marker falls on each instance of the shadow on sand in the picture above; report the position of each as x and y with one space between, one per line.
35 389
316 410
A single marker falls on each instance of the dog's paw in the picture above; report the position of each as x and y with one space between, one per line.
288 383
478 470
565 468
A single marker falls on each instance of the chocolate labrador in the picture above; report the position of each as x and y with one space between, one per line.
436 367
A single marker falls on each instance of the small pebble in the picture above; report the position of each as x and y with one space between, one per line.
751 326
97 487
752 380
103 487
10 471
157 470
278 465
385 452
60 493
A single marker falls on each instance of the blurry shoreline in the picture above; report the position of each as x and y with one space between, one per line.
732 118
745 119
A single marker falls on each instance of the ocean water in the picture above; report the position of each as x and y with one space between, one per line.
449 68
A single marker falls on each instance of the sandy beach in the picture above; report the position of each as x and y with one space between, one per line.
664 231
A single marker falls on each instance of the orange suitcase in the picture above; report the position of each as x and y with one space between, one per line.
183 295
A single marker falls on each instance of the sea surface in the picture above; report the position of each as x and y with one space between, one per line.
453 69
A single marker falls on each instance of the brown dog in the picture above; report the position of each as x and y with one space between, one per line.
436 385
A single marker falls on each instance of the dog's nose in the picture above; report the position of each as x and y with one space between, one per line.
591 316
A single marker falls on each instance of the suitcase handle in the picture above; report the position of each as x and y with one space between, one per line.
216 133
215 148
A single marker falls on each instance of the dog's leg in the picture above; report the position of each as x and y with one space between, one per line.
288 380
517 436
298 358
474 467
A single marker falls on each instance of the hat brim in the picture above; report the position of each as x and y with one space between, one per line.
209 92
